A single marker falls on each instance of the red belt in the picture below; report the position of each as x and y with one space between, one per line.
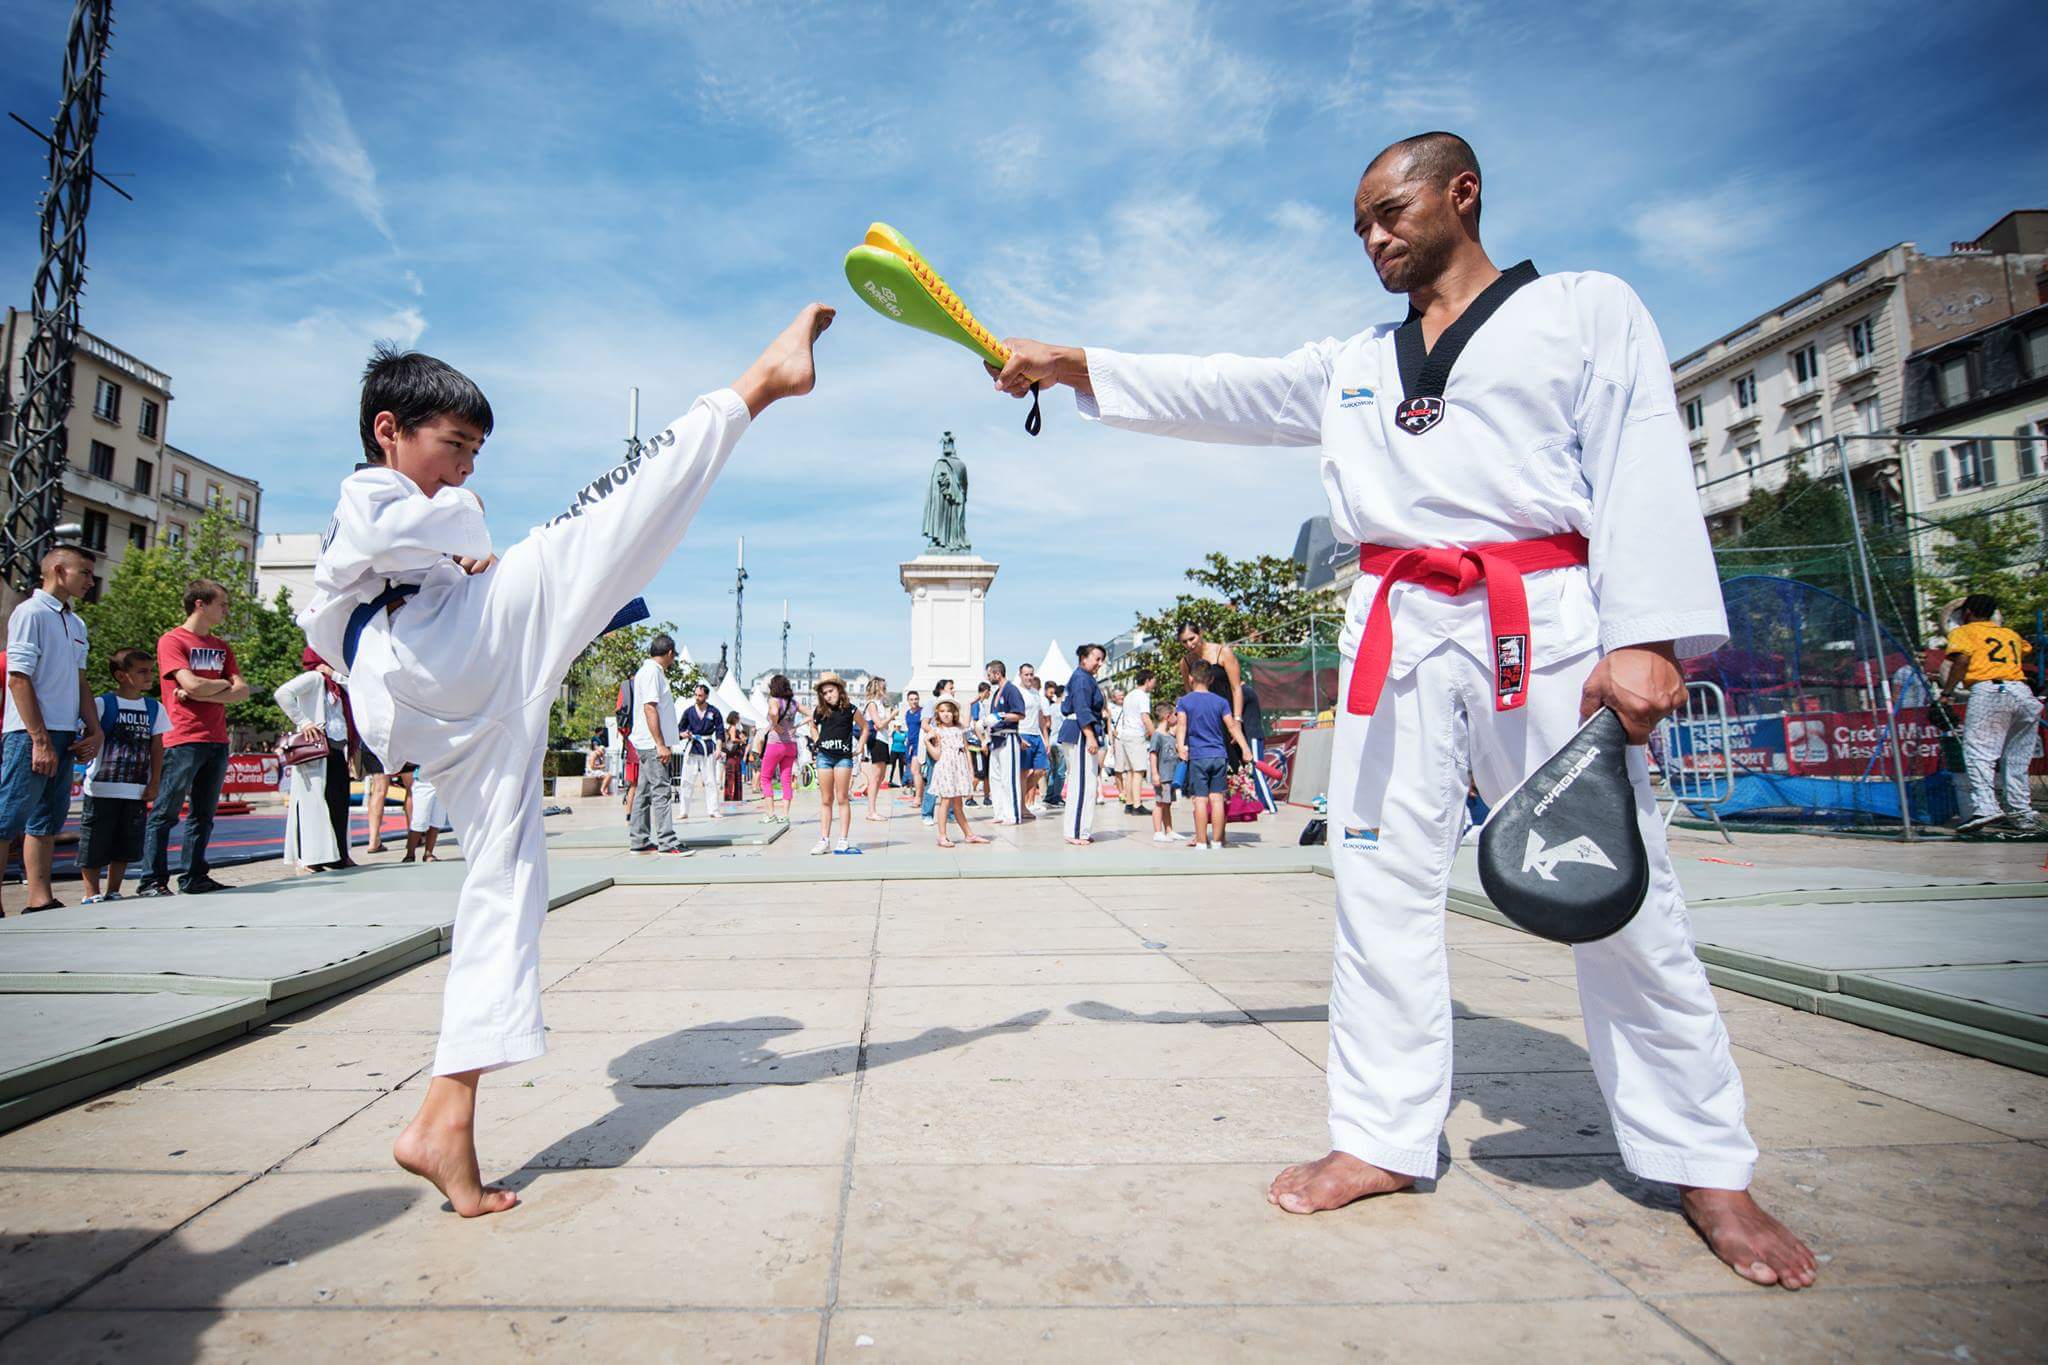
1454 571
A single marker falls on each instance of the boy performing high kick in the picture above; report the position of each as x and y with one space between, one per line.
453 657
1510 461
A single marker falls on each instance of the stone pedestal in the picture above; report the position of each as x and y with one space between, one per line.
947 595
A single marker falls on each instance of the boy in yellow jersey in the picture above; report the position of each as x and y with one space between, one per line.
1986 659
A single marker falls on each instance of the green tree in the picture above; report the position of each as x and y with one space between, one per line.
1243 601
1995 553
145 598
590 693
1803 530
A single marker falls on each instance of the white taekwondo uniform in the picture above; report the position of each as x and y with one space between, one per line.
459 679
1546 410
703 734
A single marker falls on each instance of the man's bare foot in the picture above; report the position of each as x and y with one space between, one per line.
1338 1179
1755 1245
445 1157
785 369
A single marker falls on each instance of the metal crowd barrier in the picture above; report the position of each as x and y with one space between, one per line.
1695 754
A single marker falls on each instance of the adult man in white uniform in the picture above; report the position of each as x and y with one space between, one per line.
703 729
456 657
1514 424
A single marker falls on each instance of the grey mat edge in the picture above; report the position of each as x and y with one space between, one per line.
1976 891
34 1105
1977 1014
1776 969
231 1015
288 1005
262 988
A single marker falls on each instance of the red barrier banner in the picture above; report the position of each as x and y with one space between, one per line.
253 773
1859 744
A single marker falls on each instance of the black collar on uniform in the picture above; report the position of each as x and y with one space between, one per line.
1424 373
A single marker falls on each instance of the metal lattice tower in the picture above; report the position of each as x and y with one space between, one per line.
35 473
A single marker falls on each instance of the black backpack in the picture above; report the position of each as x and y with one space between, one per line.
1315 831
624 715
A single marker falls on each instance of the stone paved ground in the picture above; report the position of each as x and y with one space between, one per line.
1018 1119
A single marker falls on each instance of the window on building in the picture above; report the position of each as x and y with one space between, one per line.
145 475
175 533
147 423
1695 414
179 482
1810 433
1863 338
1941 488
1745 390
96 531
1699 470
2037 353
2026 461
212 494
138 535
106 400
1976 465
1748 454
1806 364
1870 415
241 554
242 510
101 462
1955 381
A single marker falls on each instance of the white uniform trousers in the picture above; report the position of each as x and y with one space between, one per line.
1006 775
1397 790
1077 821
698 767
1999 724
471 670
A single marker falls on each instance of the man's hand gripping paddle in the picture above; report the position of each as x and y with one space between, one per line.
1563 856
889 275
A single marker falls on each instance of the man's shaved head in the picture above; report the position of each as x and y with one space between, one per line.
1435 158
1417 202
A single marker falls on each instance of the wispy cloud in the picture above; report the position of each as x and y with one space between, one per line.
1709 230
1161 65
328 146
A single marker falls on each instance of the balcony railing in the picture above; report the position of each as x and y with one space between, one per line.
121 360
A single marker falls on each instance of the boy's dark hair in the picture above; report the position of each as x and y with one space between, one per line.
124 659
1145 677
415 389
202 590
1980 606
1198 676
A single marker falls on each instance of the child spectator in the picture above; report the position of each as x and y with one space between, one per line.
123 778
1165 759
1200 724
952 779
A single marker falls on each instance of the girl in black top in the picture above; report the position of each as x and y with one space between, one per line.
833 723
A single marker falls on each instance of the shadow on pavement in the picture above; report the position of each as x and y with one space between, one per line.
174 1335
644 1109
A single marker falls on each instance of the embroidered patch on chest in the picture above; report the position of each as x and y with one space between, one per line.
1417 415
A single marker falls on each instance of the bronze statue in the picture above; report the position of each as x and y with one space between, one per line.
945 504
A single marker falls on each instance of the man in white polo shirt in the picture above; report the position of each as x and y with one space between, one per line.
51 718
653 826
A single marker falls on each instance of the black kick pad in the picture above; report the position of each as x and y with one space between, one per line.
1563 856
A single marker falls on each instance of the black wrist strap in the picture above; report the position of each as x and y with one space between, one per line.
1032 420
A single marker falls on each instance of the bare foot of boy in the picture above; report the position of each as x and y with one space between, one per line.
439 1146
1338 1179
1755 1245
786 368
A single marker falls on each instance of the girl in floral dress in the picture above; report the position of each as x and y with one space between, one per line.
945 743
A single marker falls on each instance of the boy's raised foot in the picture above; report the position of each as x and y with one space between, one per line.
786 369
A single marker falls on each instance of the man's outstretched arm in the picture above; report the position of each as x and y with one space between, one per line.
1230 399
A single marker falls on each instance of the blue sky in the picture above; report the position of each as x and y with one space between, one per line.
567 199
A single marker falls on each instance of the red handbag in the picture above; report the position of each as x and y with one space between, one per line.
293 752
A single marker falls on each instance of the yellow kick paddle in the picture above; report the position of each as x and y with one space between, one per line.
889 275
